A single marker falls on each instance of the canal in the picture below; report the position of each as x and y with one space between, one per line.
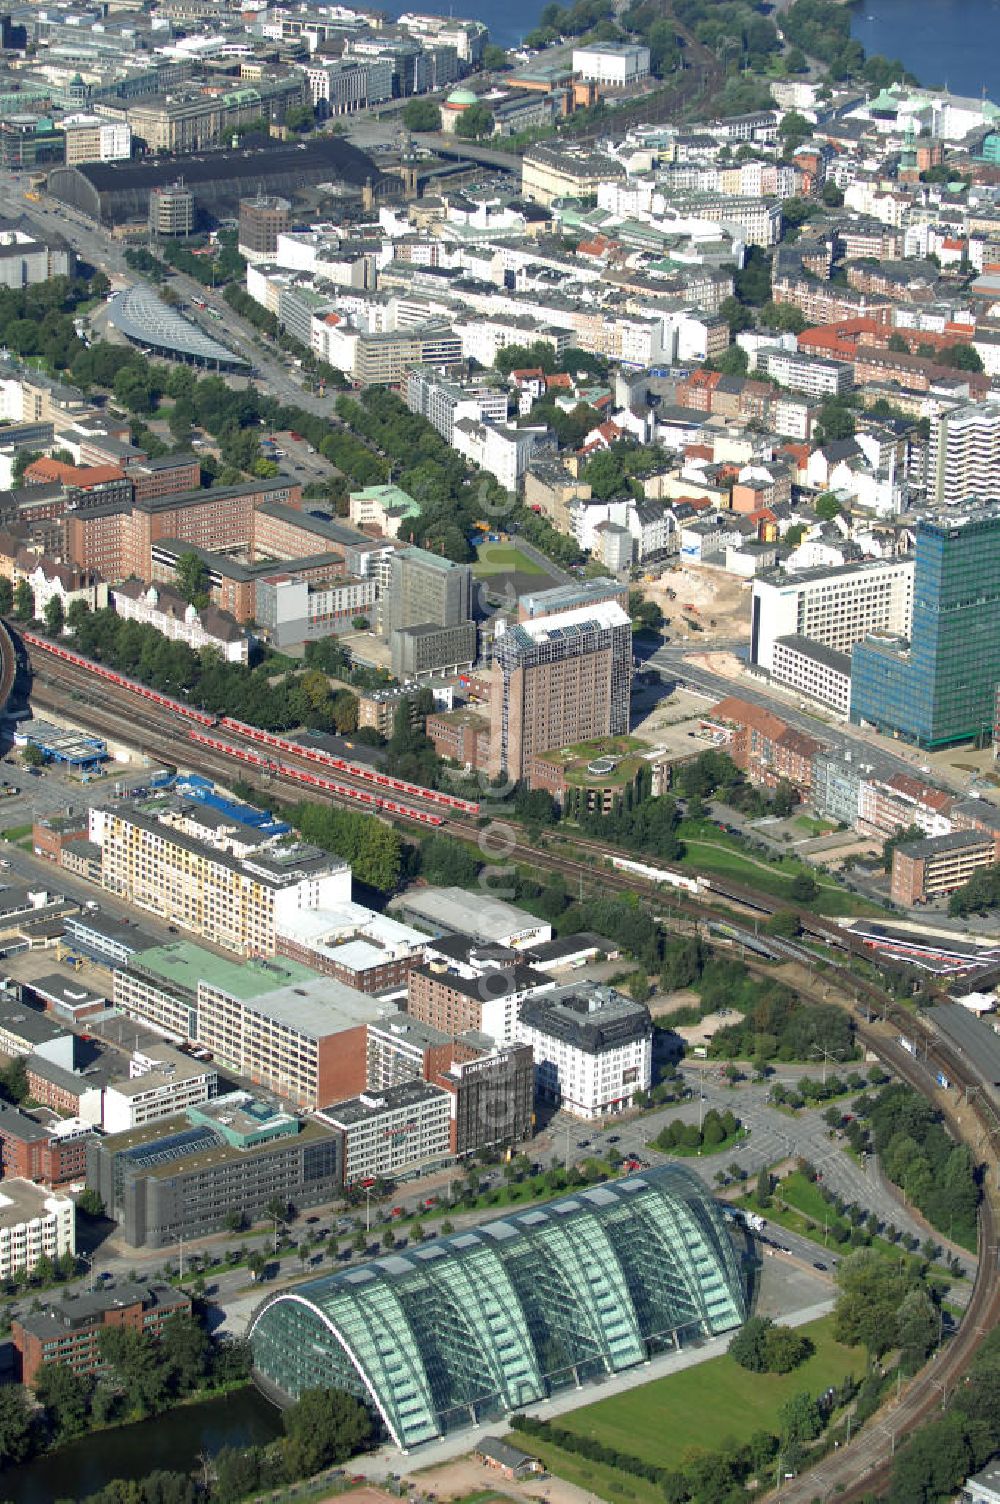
174 1442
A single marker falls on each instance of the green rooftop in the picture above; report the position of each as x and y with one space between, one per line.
185 965
623 753
393 497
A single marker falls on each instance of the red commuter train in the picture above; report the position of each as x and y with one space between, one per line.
344 765
166 702
366 797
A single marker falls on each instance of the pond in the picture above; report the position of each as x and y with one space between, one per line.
173 1441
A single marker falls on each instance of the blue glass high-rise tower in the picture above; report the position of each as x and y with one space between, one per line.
939 687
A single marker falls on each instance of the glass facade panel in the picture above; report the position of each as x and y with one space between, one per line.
475 1325
940 689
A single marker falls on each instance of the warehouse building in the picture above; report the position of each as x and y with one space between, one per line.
504 1315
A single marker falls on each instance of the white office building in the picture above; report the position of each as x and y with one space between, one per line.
815 671
389 1133
834 607
593 1048
613 63
161 1081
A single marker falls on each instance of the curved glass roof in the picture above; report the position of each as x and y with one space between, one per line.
469 1327
140 315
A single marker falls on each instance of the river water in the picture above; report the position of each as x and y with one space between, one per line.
172 1442
943 42
953 42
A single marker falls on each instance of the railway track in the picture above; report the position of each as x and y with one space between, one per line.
865 1466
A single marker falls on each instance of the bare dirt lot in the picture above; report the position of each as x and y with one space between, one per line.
465 1476
669 720
721 602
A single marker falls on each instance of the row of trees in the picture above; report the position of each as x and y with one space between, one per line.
716 1129
204 679
937 1174
942 1453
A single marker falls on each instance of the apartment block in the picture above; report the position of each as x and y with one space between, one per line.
806 373
68 1332
235 902
963 454
834 607
443 403
925 870
764 746
34 1224
557 681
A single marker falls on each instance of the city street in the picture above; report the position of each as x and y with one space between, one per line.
675 664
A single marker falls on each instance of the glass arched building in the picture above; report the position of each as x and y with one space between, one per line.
468 1327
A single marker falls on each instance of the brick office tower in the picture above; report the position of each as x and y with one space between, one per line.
558 680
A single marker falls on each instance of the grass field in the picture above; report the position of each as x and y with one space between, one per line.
711 1403
806 1196
504 558
607 1483
813 826
710 850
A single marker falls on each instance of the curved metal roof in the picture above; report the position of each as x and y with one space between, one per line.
141 316
474 1325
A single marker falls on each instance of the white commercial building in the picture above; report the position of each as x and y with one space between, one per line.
161 1081
593 1048
34 1224
616 63
814 670
806 373
834 607
389 1133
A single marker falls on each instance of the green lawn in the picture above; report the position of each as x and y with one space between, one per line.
684 1151
806 1196
16 832
598 1478
710 850
504 558
714 1402
814 826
